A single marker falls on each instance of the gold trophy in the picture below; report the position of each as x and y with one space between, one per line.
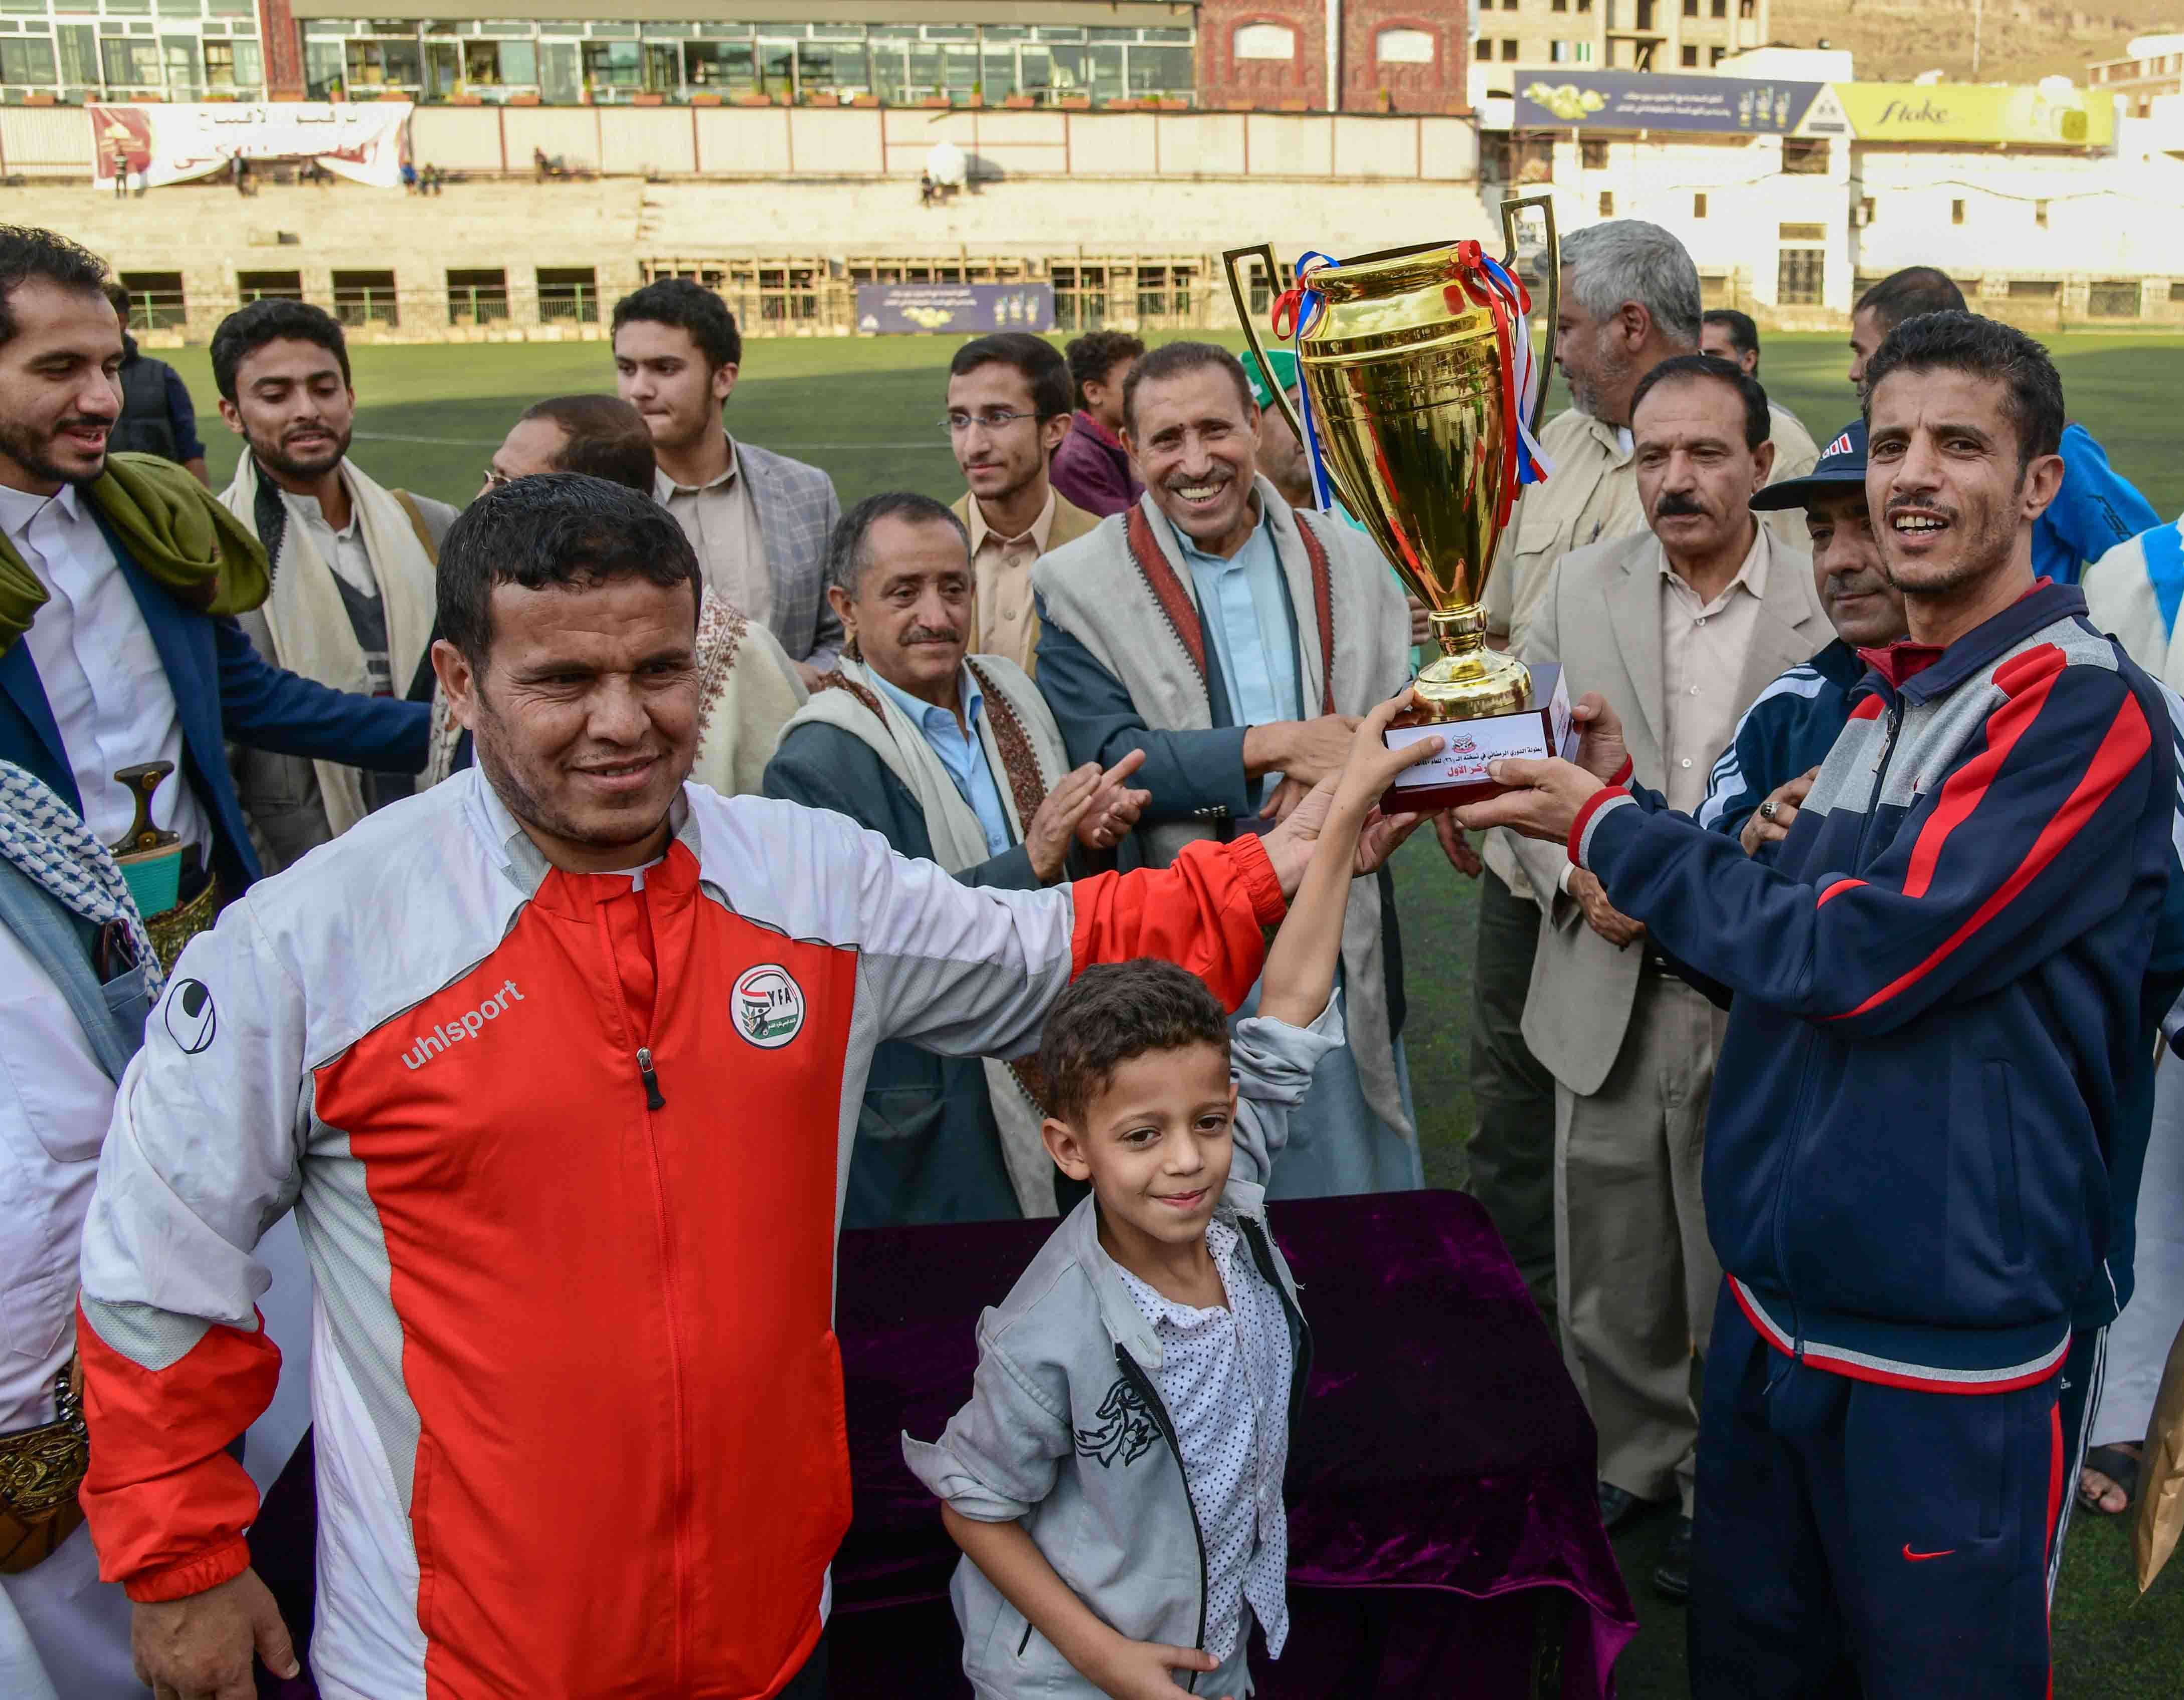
1411 365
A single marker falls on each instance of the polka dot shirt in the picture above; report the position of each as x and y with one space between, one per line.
1224 1377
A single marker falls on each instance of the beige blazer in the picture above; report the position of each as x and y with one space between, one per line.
1600 616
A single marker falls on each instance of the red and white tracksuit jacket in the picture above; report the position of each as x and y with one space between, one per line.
567 1159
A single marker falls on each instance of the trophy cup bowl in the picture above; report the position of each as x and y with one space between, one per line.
1411 398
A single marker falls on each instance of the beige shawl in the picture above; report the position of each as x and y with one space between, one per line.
1029 762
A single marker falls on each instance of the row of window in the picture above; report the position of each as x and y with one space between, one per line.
786 295
1715 8
1398 46
88 60
562 63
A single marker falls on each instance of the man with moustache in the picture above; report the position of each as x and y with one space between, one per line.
1679 629
118 575
1008 411
1235 640
1754 790
576 1391
759 521
1932 1097
952 757
1629 300
353 561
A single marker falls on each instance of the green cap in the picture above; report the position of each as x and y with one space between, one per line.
1285 373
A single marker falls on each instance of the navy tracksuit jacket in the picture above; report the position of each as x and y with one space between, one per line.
1939 1052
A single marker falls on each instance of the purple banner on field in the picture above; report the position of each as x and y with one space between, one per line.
962 309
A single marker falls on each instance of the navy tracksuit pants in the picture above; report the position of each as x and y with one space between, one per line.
1854 1539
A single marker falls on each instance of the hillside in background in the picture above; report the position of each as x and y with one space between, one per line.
2020 41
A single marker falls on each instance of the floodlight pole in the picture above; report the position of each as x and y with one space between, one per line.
1978 10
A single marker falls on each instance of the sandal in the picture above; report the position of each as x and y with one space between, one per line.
2121 1467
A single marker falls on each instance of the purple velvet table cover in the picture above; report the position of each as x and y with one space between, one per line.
1441 1476
1442 1517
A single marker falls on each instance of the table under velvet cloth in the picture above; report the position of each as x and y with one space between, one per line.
1444 1539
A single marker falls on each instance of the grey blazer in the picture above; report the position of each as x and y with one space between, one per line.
797 510
1600 616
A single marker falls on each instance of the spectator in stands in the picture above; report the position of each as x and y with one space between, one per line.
1008 411
1731 335
2098 508
157 416
1193 627
1681 630
954 758
354 563
748 685
1091 467
759 521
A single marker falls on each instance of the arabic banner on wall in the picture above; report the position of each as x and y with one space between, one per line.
1635 100
967 310
363 141
1979 113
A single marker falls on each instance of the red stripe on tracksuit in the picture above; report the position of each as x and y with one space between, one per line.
2121 749
1967 788
167 1500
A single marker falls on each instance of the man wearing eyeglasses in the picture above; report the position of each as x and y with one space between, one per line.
1008 411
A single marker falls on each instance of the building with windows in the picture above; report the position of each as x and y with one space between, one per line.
1318 55
1617 34
2154 66
827 52
70 51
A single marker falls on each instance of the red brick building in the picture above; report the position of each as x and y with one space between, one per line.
1391 55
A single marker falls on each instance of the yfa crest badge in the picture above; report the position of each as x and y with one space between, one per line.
768 1006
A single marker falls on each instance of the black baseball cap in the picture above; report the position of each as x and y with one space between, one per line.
1841 463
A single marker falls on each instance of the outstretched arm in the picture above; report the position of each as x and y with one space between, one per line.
1300 974
2020 843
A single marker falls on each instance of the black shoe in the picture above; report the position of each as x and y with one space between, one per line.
1618 1508
1671 1576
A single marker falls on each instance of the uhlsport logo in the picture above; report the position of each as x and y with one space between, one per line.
768 1006
425 1046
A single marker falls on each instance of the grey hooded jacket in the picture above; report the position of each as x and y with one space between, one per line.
1066 1432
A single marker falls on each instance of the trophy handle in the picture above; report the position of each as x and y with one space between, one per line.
1510 211
1264 253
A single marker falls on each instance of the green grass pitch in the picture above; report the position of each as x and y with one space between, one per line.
869 411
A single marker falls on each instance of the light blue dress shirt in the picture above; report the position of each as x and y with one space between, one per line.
1247 621
962 752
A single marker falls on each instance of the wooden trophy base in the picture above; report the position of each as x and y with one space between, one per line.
1457 776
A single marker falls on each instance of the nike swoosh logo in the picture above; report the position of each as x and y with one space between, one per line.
1921 1558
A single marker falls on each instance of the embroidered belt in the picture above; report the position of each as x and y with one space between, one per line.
40 1469
172 929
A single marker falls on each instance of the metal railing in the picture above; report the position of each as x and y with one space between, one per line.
157 309
573 303
366 304
482 304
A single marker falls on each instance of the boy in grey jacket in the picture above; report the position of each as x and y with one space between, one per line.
1116 1481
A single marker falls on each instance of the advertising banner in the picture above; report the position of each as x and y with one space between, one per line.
363 141
1637 100
965 310
1986 113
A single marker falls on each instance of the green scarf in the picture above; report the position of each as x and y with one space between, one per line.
192 546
